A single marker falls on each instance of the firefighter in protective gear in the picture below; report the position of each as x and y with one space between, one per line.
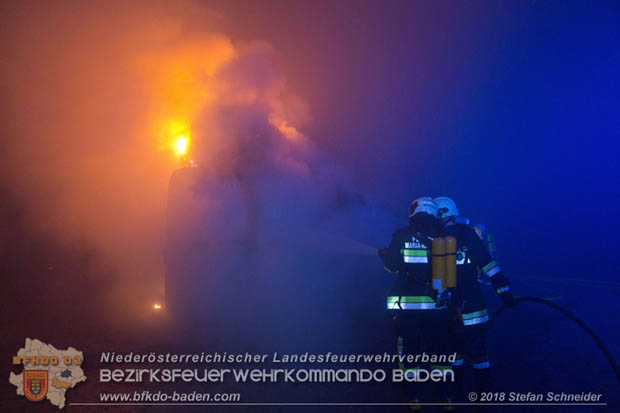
472 255
411 303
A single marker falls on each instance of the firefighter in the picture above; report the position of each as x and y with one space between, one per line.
418 319
472 256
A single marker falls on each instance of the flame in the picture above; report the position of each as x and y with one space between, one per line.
156 306
181 145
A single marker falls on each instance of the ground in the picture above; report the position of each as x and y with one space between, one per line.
532 348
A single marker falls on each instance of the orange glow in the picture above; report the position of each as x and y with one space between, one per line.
187 84
156 306
180 81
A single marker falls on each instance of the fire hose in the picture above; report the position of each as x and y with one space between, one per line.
610 359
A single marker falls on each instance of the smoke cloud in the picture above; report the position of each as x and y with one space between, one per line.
97 97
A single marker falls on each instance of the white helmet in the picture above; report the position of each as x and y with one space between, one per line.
446 208
424 204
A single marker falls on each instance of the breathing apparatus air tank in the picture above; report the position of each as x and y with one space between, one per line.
438 255
487 239
450 262
479 230
491 246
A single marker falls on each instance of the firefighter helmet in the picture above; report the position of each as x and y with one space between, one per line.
446 208
424 204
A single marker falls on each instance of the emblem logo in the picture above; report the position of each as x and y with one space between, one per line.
35 384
